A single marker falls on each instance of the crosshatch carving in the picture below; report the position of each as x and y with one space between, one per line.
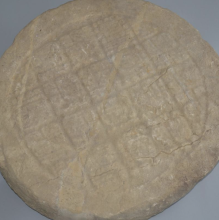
110 112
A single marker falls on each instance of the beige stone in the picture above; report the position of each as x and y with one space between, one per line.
108 110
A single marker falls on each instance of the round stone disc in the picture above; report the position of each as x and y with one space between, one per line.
108 110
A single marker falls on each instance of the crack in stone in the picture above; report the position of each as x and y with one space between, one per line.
164 73
97 175
42 183
169 153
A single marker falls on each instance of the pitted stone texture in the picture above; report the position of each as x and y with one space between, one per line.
109 110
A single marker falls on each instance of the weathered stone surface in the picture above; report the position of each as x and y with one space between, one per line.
109 110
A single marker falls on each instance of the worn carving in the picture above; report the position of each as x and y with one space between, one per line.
109 110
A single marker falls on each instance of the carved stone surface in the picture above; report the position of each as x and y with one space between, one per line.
108 110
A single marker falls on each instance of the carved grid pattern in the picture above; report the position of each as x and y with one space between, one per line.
94 106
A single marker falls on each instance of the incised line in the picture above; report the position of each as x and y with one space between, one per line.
26 74
118 58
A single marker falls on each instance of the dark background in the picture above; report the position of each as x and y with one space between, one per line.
202 202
